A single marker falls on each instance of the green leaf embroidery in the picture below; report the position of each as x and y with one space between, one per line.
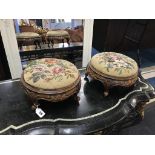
107 69
43 76
100 62
36 78
36 74
120 72
46 71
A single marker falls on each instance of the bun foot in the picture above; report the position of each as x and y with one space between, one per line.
86 78
77 99
34 106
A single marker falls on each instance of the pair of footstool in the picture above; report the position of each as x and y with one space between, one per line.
56 79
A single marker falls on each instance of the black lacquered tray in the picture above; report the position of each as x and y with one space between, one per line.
94 113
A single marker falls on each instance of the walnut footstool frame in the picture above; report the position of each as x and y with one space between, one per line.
109 81
24 41
52 95
51 39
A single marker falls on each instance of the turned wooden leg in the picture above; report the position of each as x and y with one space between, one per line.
35 43
20 45
86 77
63 41
48 42
76 98
67 39
39 44
106 89
34 102
52 42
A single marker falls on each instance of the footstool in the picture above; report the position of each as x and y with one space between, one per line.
60 35
51 79
27 38
112 69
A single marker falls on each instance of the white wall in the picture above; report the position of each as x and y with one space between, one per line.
87 42
11 47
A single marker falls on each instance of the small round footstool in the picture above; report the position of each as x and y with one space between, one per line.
25 38
60 35
51 79
112 69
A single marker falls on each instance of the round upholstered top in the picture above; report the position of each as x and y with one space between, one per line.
50 73
114 64
27 35
58 33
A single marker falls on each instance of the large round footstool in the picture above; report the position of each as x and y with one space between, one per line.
25 38
112 69
59 35
51 79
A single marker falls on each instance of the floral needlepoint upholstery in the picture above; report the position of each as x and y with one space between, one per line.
58 33
114 64
27 35
50 73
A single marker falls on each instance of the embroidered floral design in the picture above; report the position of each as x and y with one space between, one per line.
116 61
50 69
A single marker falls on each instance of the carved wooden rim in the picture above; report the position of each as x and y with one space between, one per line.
29 39
50 91
112 77
111 81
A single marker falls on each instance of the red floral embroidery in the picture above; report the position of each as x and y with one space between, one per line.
57 70
50 69
115 58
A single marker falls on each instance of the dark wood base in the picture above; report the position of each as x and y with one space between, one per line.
29 41
51 40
